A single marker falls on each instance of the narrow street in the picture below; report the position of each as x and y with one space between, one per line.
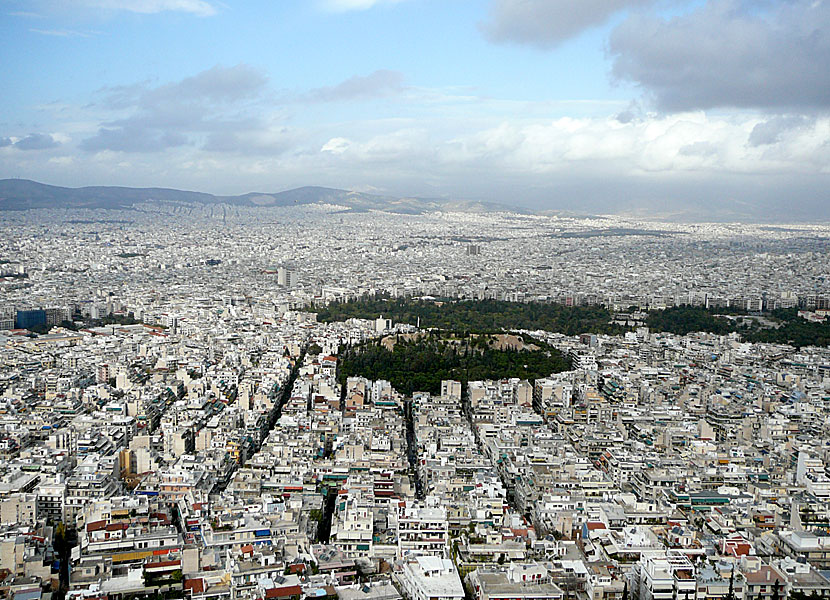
282 397
412 448
324 530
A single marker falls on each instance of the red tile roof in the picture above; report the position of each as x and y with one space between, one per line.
284 592
96 525
196 586
162 564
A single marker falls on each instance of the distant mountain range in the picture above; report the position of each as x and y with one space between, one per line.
24 194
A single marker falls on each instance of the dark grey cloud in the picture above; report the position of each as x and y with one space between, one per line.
213 102
222 109
547 23
36 141
123 96
132 139
170 116
217 84
730 53
626 116
377 84
771 131
633 113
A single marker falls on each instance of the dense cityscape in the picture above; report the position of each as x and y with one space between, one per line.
177 422
415 300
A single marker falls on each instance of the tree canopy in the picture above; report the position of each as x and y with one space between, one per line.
420 365
478 316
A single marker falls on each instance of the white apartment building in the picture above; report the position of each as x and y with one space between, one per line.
431 578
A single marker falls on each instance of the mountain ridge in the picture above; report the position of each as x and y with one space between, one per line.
25 194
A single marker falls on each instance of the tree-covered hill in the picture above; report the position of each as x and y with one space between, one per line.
421 364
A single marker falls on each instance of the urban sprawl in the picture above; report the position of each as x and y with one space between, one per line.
174 422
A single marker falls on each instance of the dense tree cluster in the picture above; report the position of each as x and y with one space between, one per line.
476 315
788 327
482 316
794 330
421 365
683 320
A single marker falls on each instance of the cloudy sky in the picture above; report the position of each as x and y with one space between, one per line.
602 105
